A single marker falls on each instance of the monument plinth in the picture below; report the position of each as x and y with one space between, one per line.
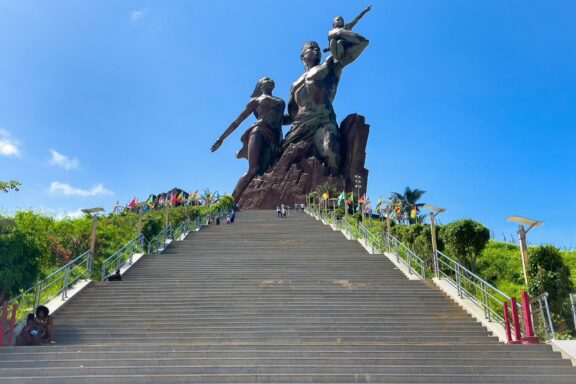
300 170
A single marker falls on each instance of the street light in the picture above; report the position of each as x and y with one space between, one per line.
522 237
388 210
90 212
358 185
435 212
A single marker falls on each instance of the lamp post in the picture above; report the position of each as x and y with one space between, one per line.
357 185
139 225
91 213
388 210
435 212
522 221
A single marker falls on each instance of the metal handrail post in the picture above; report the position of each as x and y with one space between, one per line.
37 294
409 262
573 306
65 288
485 301
549 317
458 281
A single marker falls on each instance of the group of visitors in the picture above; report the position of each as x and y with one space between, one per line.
282 210
39 328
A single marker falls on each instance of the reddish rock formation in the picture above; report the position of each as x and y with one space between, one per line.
300 171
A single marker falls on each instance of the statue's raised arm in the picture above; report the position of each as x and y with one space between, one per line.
351 24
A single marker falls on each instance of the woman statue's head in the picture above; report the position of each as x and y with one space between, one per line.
264 86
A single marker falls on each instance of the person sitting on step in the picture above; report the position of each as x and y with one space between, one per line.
115 277
31 334
44 319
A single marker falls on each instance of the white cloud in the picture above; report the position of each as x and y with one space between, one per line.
62 189
8 145
62 161
69 215
136 16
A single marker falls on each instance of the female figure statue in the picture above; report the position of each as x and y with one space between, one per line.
261 142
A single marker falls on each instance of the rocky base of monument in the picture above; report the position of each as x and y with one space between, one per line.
300 170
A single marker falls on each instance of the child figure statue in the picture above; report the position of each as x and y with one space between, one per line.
342 34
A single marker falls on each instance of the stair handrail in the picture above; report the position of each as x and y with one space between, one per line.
541 318
471 286
405 255
573 307
375 242
53 285
124 254
159 241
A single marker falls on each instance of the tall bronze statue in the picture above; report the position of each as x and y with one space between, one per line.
261 142
310 108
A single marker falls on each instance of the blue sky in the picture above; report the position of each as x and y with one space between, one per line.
472 101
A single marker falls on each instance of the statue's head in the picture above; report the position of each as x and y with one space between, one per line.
264 85
338 22
311 54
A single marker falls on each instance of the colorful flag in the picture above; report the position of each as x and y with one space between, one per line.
341 198
179 198
174 199
150 202
367 207
362 199
379 205
133 203
413 213
325 196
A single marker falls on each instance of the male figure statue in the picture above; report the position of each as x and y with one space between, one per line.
310 108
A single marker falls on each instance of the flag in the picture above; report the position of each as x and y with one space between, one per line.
116 207
325 196
341 198
413 213
379 205
133 203
150 202
362 199
367 207
174 199
179 198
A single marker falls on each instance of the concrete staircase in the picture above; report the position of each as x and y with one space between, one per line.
276 301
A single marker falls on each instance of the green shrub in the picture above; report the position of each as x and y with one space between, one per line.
548 273
501 262
465 240
20 261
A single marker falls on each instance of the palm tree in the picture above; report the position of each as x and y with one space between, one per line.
408 201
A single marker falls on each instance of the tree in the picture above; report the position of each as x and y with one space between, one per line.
465 240
548 273
408 202
6 186
19 264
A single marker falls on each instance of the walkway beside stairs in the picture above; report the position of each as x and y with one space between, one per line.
269 300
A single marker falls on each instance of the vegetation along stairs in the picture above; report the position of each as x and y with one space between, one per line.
278 301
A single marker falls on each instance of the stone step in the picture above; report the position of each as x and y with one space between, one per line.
126 361
542 371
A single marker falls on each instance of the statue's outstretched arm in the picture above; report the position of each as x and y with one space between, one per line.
351 24
251 107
